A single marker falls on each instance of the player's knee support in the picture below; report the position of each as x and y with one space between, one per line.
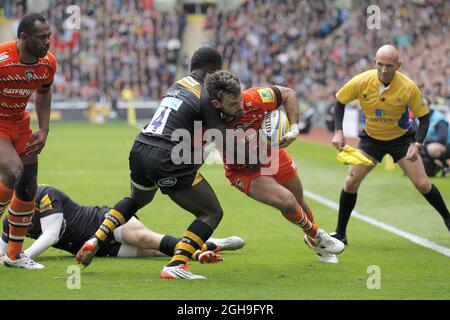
127 207
26 188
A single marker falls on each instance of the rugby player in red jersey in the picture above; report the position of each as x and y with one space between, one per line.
282 188
26 67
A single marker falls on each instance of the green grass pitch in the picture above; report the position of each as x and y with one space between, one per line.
90 163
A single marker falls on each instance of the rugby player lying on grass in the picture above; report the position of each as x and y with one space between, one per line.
62 223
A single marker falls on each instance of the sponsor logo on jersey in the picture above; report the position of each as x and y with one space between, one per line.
29 74
171 102
266 95
381 117
167 182
173 93
4 56
21 92
380 113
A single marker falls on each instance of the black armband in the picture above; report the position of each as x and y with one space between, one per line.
424 123
339 110
278 94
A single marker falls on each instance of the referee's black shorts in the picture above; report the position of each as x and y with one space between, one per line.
377 149
152 167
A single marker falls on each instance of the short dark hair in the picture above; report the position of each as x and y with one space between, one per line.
207 59
27 24
222 82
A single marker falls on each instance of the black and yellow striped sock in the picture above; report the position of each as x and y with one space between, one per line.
193 239
169 243
116 217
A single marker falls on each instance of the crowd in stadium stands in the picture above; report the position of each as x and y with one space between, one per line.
121 44
7 9
315 47
311 46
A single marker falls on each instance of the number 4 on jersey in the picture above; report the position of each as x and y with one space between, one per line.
156 126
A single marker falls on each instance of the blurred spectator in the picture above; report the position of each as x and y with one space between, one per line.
7 6
311 46
121 43
315 47
436 151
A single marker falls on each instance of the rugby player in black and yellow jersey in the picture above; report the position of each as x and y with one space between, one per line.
62 223
154 166
386 96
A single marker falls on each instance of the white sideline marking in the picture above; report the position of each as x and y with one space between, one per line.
409 236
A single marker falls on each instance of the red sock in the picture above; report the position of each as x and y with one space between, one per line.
301 219
310 215
19 217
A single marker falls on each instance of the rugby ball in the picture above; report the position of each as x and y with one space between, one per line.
275 125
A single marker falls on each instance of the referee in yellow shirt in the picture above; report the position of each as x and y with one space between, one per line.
386 96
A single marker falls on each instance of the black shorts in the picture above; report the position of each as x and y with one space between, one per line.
152 167
377 149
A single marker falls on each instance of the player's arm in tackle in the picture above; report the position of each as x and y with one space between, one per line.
42 102
290 103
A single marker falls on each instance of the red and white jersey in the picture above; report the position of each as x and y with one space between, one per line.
257 102
18 81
